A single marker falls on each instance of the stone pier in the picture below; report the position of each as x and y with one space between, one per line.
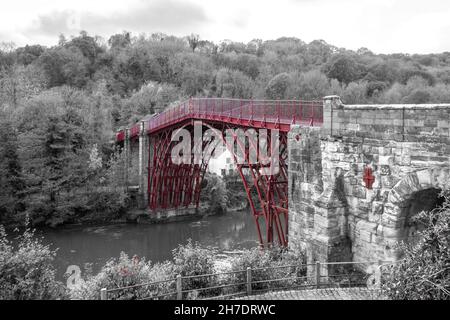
356 182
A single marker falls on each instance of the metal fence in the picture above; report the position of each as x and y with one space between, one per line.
226 285
241 110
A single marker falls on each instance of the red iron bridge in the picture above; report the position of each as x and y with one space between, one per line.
172 186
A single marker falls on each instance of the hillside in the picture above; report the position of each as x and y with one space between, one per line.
60 106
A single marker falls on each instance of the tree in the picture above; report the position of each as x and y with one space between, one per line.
88 46
408 73
424 271
191 72
355 93
193 41
28 273
152 97
52 62
248 64
19 83
28 54
215 193
233 84
344 68
65 66
374 88
120 41
318 52
384 71
53 146
11 180
418 96
310 85
7 56
277 86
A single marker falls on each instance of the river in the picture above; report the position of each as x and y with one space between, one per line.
78 245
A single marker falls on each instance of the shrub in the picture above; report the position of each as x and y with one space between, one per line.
27 273
424 271
262 263
190 261
126 272
215 193
193 260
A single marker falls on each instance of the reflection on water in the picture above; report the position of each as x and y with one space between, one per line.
80 245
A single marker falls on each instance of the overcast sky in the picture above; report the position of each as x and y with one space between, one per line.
383 26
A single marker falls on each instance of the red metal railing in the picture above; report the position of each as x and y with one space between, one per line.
271 114
120 136
134 130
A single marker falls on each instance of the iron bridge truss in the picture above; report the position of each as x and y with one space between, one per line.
172 186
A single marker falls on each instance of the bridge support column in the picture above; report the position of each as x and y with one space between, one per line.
143 166
317 205
127 152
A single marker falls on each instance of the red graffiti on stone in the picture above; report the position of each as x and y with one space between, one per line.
368 178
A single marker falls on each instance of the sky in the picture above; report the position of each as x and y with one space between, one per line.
383 26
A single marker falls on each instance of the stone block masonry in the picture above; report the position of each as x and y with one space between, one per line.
332 214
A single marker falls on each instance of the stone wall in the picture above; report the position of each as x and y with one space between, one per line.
133 167
331 212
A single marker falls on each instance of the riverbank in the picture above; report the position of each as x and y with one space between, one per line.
96 243
130 215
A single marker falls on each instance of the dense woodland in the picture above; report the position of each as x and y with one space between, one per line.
60 106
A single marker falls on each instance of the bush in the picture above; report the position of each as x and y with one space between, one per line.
193 260
125 272
261 260
424 271
27 273
215 193
190 261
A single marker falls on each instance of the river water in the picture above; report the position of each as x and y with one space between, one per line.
78 245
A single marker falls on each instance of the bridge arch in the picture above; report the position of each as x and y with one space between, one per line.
417 191
171 186
437 178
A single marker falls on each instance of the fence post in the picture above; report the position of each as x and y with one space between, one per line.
379 274
317 274
179 287
249 281
103 294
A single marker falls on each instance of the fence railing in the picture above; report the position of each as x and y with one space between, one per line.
222 109
225 285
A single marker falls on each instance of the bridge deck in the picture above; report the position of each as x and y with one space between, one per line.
269 114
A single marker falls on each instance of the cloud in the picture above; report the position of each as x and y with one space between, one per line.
54 23
160 15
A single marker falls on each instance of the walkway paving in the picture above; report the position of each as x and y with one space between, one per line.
321 294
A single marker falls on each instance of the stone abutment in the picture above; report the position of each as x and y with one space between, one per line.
352 182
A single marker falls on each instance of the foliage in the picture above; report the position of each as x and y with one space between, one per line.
193 41
310 85
57 103
260 260
232 84
344 68
196 264
11 179
27 272
424 271
215 193
192 260
124 272
277 86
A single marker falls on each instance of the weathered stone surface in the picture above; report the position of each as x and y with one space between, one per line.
408 148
